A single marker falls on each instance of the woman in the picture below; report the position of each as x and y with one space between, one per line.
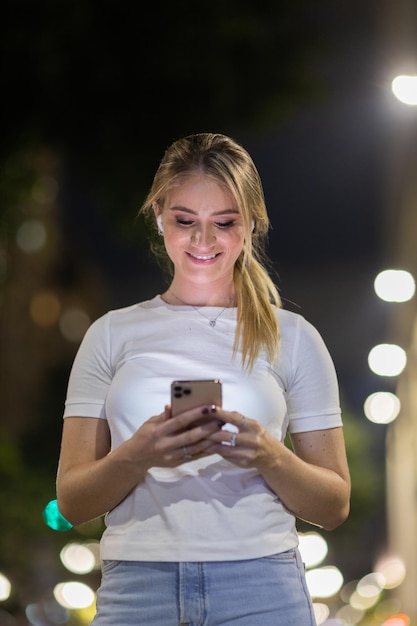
200 515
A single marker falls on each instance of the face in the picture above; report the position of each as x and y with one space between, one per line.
203 232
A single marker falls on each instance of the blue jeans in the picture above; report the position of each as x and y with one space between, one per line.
269 591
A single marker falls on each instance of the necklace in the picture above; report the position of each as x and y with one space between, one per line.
211 321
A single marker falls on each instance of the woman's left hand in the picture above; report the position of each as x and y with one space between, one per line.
249 444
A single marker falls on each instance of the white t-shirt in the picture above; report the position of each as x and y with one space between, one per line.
207 509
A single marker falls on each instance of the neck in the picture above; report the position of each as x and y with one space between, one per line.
174 295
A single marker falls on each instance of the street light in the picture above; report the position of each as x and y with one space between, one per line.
395 285
405 89
387 359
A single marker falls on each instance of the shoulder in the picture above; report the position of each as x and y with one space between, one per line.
127 314
299 338
288 318
117 322
291 324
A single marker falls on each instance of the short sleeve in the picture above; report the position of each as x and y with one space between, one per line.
91 373
313 392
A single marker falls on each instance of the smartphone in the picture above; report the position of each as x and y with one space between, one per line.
187 394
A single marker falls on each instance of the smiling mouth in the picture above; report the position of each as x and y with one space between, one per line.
203 257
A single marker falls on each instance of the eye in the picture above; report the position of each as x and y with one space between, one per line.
225 224
183 221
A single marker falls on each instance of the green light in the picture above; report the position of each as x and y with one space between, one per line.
53 518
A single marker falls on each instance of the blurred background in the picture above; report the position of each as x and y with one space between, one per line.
92 94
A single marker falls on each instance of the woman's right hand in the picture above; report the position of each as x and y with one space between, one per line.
165 441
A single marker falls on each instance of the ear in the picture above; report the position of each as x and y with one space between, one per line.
158 218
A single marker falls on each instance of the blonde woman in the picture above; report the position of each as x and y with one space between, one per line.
201 508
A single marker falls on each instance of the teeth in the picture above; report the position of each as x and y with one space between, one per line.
203 257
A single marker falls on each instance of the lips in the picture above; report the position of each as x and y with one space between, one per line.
202 257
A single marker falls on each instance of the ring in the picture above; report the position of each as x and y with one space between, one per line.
233 439
186 455
244 420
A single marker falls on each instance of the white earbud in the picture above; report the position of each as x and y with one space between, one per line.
252 226
160 225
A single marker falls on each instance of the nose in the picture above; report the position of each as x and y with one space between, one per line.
203 235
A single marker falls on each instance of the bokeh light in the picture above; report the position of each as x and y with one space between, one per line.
74 595
393 570
382 407
367 592
313 548
387 359
347 590
333 621
321 612
397 620
31 236
371 585
324 582
5 588
405 89
359 602
395 286
350 615
45 613
94 547
78 558
45 308
73 324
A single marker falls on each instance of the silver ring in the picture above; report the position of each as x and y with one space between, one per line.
233 439
244 420
186 455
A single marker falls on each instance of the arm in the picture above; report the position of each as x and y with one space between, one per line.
90 480
313 481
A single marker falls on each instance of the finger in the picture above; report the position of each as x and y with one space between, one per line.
200 416
226 438
235 418
162 417
196 451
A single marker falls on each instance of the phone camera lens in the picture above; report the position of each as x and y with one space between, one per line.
178 391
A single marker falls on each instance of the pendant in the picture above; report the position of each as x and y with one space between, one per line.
212 323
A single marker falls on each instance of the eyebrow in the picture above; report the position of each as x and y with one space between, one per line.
191 212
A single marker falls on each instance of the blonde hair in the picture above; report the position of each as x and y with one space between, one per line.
230 165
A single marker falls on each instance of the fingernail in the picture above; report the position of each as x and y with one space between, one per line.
213 408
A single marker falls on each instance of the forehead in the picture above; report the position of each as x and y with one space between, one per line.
200 191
